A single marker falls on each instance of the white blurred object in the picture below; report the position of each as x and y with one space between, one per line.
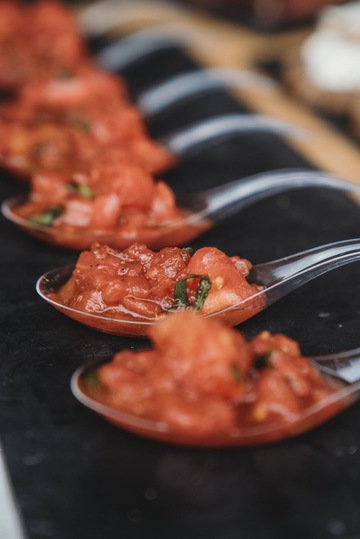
343 19
331 54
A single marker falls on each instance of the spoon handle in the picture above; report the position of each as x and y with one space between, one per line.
140 44
345 365
122 53
283 276
327 256
183 86
227 200
200 133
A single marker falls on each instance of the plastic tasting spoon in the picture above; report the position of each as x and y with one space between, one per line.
277 279
178 145
169 93
124 52
179 88
342 370
137 46
207 132
200 211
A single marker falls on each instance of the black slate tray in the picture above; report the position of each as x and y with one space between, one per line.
76 476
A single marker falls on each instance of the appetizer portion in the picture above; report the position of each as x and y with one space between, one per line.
51 145
63 122
203 384
35 39
142 284
61 95
64 108
114 200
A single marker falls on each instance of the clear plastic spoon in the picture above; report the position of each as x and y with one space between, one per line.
163 96
204 132
139 45
347 390
277 279
201 211
124 52
179 88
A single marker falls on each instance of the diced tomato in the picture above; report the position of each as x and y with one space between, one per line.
114 172
228 284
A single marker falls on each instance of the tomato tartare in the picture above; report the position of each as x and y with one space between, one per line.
202 383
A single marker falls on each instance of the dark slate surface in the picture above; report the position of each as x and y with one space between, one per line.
76 476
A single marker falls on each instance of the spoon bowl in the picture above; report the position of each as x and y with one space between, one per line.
294 425
276 278
200 211
156 237
129 325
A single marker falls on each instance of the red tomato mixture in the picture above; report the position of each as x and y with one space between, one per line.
63 123
66 109
60 95
73 131
115 195
50 146
36 39
205 382
141 283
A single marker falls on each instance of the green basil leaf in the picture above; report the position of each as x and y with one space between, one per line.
180 294
91 379
236 373
83 125
81 189
203 289
48 217
202 292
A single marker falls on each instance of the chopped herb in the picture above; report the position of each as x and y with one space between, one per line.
81 188
180 294
202 292
48 217
263 360
92 380
203 289
83 125
235 372
189 250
